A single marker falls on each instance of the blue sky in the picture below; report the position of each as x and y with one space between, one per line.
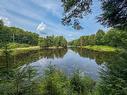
44 17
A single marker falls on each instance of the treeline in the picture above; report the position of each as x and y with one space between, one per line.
53 41
114 37
20 36
17 35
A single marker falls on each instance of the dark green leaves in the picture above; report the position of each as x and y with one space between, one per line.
114 13
75 10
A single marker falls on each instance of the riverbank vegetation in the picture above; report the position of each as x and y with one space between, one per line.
53 82
53 41
25 80
16 48
103 41
17 35
101 48
17 38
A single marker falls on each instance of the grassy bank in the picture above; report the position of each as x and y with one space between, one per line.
53 47
21 50
16 51
102 48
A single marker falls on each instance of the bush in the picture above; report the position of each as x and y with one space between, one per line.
81 85
55 82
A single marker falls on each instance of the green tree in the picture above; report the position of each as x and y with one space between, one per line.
17 35
52 41
114 13
99 37
81 85
75 9
54 82
116 38
113 78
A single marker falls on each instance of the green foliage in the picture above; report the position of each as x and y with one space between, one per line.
81 85
99 37
16 81
102 48
75 9
19 82
55 82
114 13
52 41
17 45
114 37
12 34
113 77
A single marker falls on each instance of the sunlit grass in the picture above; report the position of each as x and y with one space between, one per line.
16 51
102 48
17 45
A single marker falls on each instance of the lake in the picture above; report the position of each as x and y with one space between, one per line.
68 60
25 70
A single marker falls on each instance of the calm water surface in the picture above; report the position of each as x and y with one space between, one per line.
109 70
68 60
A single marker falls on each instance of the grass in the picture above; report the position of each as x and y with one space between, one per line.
17 45
102 48
21 50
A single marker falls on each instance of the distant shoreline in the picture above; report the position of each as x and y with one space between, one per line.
102 48
16 51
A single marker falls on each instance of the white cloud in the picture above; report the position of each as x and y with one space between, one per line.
53 6
6 21
41 27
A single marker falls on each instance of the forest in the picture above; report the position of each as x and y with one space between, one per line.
15 37
34 64
114 37
53 41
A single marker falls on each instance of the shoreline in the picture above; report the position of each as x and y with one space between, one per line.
16 51
102 48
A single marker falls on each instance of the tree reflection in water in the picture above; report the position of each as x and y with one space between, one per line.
32 56
100 57
17 80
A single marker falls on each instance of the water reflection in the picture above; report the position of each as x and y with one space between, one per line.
16 71
66 59
99 57
32 56
82 59
52 53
